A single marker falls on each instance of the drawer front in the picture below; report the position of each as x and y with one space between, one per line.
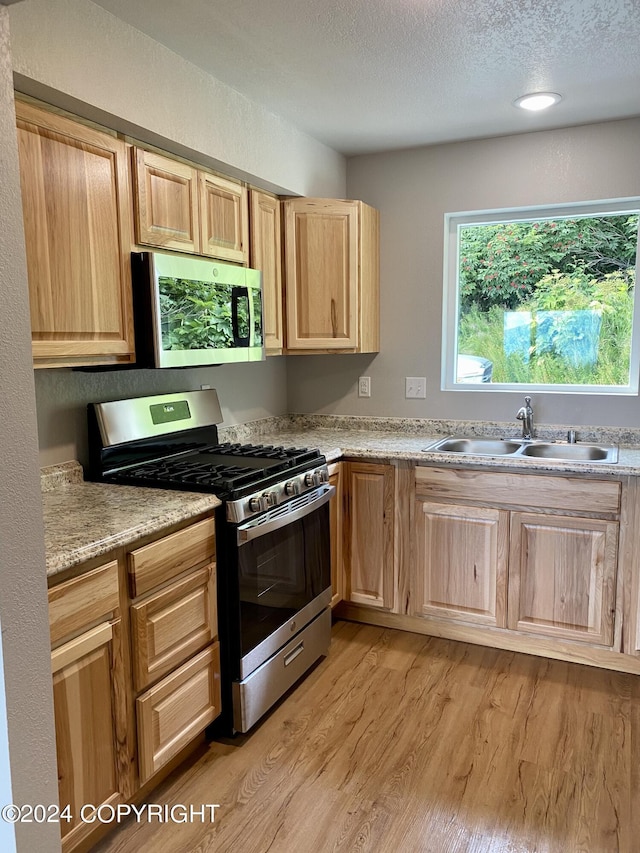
169 627
77 603
254 695
177 709
571 494
170 556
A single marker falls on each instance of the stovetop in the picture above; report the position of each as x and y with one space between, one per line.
228 470
171 441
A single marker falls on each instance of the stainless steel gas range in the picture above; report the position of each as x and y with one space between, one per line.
273 552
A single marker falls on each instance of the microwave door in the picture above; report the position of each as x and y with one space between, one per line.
204 312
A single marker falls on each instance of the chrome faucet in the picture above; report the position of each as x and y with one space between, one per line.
525 414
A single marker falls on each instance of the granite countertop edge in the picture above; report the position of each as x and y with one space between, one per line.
84 520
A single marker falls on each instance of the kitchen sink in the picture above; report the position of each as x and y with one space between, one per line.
521 449
478 446
571 452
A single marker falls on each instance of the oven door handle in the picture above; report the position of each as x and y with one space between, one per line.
252 530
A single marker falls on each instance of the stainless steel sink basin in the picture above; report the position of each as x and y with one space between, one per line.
571 452
478 446
521 449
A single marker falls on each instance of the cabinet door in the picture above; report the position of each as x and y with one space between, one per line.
562 576
461 562
265 245
369 551
77 223
224 218
85 723
166 202
335 523
321 263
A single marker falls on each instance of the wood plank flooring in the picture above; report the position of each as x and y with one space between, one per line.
399 742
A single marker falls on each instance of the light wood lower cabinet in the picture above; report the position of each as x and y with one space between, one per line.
369 534
173 712
136 669
336 529
88 696
174 630
562 574
85 712
170 626
461 557
559 568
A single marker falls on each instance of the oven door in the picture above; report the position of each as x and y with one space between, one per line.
284 574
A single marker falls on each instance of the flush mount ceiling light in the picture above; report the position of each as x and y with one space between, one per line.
537 101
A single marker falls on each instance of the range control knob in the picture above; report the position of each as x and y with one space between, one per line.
258 503
312 479
292 488
270 498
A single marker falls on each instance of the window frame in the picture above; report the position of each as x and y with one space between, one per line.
453 222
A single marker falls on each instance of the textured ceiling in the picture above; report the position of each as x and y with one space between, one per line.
371 75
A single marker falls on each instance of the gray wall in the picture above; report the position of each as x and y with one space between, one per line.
246 392
23 600
413 190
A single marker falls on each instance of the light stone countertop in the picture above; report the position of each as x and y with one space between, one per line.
408 439
84 520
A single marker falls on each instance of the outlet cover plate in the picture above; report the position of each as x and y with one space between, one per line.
364 386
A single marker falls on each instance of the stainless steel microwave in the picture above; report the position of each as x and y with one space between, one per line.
191 311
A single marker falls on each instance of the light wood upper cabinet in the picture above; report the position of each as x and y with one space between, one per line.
369 534
331 275
461 562
181 207
562 575
166 202
266 247
224 218
76 202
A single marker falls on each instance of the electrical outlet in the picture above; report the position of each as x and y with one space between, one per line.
205 387
415 387
364 386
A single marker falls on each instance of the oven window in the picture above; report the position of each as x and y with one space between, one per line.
279 573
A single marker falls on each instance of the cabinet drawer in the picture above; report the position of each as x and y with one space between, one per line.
170 626
168 557
173 712
569 494
77 603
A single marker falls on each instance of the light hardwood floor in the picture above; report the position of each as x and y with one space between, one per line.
399 742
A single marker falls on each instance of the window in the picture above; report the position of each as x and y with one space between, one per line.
542 298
